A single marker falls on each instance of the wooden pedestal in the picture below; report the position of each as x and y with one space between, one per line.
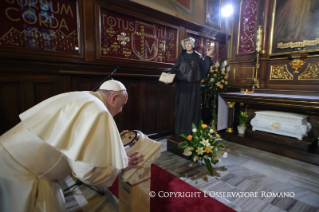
135 198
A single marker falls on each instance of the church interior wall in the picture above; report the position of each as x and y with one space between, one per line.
30 75
195 13
31 72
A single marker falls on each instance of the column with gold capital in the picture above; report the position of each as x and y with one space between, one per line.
230 117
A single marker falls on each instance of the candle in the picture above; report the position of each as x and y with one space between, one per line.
258 39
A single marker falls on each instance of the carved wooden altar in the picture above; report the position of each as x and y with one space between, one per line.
307 104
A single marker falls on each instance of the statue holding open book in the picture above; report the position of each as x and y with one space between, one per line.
190 68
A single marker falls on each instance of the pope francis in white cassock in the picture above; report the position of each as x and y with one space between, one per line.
69 133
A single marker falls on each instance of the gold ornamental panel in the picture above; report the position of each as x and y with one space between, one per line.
296 64
280 72
311 72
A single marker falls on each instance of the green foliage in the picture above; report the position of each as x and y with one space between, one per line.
183 145
243 118
217 81
203 145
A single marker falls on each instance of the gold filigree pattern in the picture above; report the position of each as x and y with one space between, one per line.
311 72
105 49
296 64
168 55
110 31
115 46
171 44
148 43
126 52
160 57
142 34
145 34
246 26
34 38
280 72
162 45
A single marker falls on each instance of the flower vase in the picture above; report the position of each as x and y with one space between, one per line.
201 161
241 129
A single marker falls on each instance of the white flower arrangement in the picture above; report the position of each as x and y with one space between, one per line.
202 144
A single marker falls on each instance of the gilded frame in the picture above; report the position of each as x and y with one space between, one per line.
213 13
272 34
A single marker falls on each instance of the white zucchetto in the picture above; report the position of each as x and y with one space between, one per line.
112 85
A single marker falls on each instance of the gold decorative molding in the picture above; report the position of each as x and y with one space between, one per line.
296 64
311 72
280 72
246 91
256 83
256 80
259 39
231 104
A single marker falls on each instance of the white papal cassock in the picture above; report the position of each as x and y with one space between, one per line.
70 132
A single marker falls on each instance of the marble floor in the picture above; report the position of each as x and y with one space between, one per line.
244 171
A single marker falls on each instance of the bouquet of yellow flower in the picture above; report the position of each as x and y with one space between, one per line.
202 144
217 81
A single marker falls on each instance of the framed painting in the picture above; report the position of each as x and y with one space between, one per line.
294 27
213 13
